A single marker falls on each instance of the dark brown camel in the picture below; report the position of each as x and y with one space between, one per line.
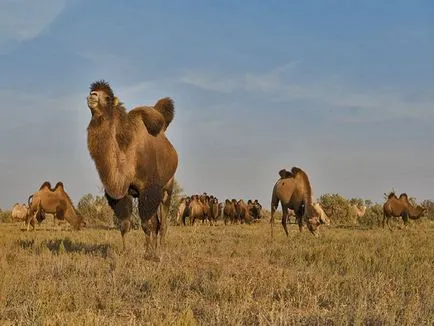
400 207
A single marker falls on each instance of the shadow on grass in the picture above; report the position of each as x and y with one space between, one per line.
59 246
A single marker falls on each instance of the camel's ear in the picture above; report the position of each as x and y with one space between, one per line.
115 101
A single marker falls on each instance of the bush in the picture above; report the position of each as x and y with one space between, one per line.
373 216
95 210
339 206
5 216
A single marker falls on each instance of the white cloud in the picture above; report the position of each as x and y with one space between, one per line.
22 20
280 84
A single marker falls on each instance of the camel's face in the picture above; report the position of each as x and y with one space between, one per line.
313 225
97 101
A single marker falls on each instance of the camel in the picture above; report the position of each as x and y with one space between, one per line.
243 213
214 208
183 210
356 212
204 200
323 217
19 212
133 158
54 201
293 191
400 207
255 209
196 209
229 211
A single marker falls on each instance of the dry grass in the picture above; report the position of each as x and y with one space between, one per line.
218 275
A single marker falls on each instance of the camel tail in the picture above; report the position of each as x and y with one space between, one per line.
167 108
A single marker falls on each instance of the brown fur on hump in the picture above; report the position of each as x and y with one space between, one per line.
59 185
391 195
285 174
153 120
46 184
167 109
299 173
403 195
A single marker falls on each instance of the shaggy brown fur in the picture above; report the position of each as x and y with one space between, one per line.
133 157
400 207
229 211
54 201
243 212
293 191
214 208
196 209
255 209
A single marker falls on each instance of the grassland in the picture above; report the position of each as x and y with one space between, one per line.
218 275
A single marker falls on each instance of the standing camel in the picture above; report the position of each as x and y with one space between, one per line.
400 207
133 158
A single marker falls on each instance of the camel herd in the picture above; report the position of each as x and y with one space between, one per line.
207 208
134 159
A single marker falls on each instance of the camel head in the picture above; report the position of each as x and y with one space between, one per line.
101 99
313 225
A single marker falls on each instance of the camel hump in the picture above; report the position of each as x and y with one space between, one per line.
295 170
285 174
153 120
59 185
391 195
167 108
46 184
403 195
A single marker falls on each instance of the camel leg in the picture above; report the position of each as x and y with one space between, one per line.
273 210
123 209
284 220
149 200
405 219
162 215
299 217
388 223
300 222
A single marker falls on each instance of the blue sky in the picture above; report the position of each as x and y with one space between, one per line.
343 89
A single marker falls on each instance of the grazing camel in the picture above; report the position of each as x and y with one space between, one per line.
400 207
53 201
323 217
293 191
20 212
133 158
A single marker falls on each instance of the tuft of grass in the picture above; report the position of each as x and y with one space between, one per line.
219 275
